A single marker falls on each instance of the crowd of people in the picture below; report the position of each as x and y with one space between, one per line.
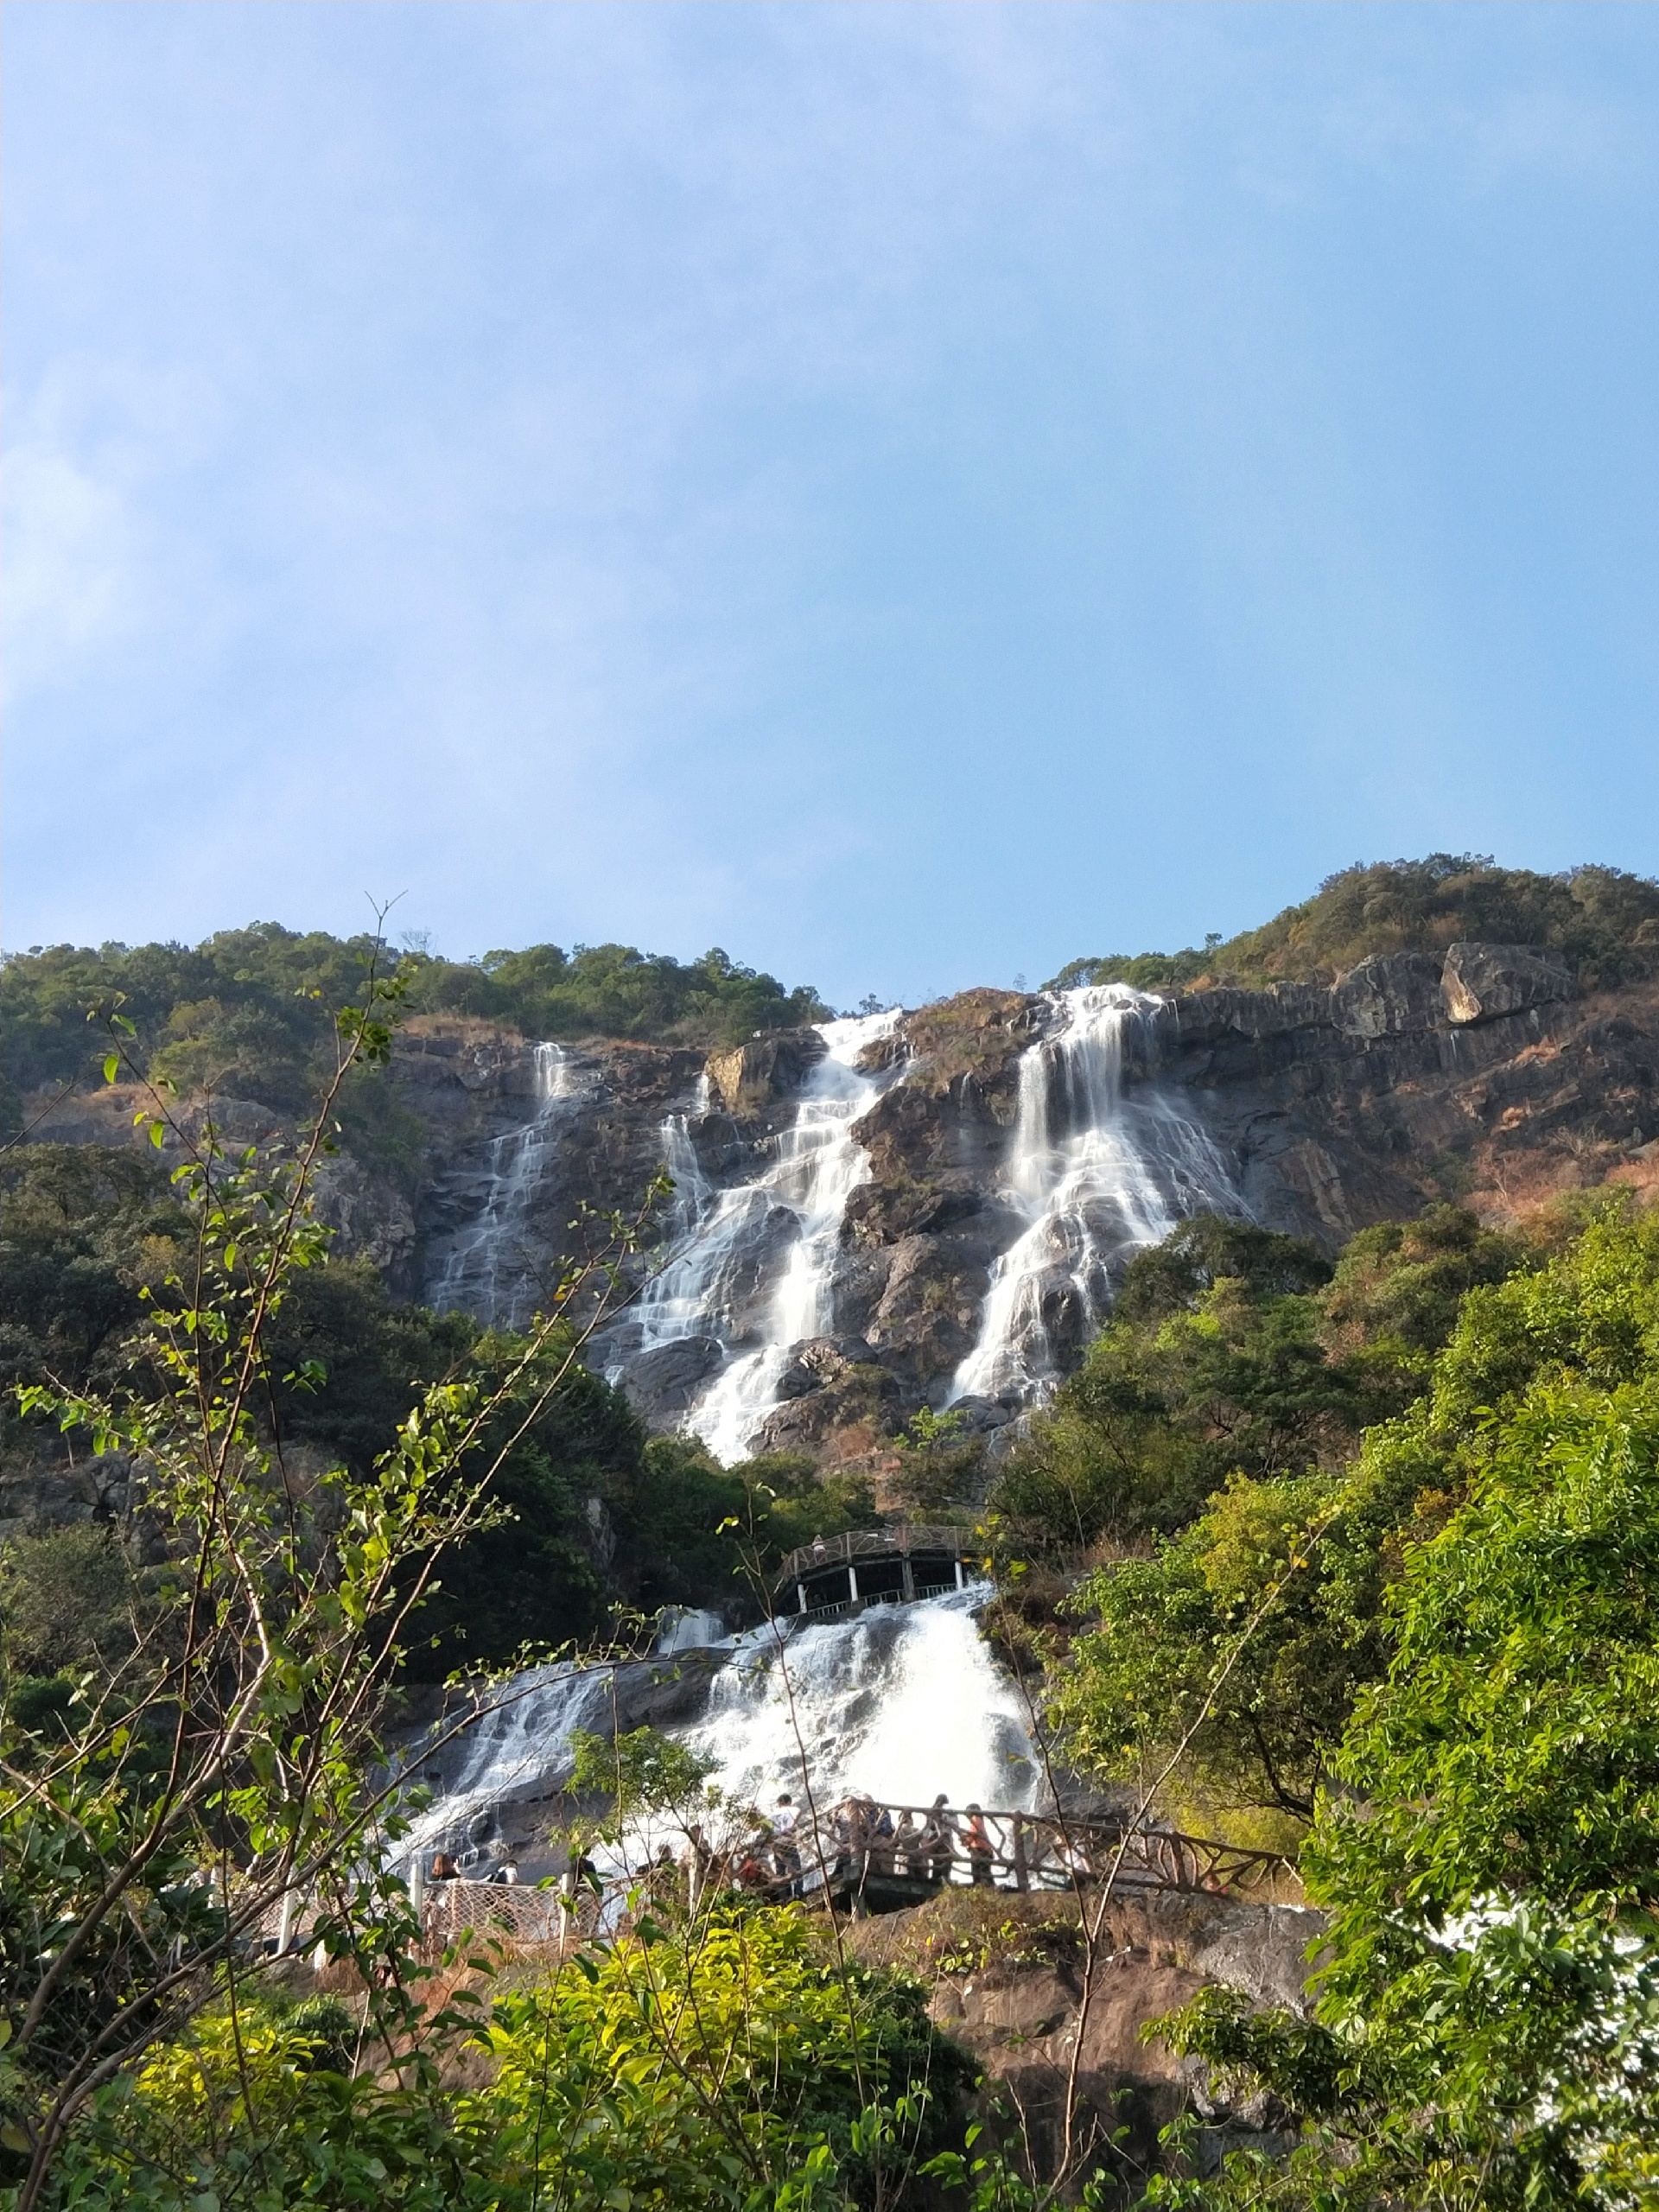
850 1841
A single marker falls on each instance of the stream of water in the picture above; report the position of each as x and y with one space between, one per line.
1095 1175
754 1271
488 1270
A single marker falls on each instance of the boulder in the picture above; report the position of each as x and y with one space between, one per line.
665 1381
1480 981
747 1079
819 1360
1390 995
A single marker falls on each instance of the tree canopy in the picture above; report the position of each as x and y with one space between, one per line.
248 1011
1603 921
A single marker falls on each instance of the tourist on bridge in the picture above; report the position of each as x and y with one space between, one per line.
938 1840
880 1839
785 1851
862 1823
981 1852
906 1846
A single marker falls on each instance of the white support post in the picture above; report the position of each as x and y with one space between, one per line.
961 1581
800 1597
852 1583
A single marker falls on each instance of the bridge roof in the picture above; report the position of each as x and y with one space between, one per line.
955 1541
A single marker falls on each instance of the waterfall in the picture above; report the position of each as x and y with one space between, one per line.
688 1628
1094 1175
901 1701
519 1742
755 1272
483 1272
692 1189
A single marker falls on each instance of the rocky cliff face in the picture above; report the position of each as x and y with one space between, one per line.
1008 1976
1485 1076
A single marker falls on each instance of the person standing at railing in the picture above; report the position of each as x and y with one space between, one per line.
906 1846
842 1825
881 1841
862 1822
785 1851
938 1840
981 1852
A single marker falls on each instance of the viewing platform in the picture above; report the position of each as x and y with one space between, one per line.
835 1576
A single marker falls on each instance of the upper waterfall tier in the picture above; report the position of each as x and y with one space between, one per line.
754 1271
934 1207
490 1268
1093 1175
857 1229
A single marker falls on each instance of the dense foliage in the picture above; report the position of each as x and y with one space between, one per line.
247 1012
1603 920
716 2065
1442 1648
1234 1351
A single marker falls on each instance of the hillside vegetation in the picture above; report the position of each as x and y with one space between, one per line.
1603 921
1371 1548
248 1011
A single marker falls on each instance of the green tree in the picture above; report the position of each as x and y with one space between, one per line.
713 2067
1487 2024
1603 920
244 1014
1213 1362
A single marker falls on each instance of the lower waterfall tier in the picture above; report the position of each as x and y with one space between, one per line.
901 1702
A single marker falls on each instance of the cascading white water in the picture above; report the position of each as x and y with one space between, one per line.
756 1272
1093 1175
688 1628
692 1189
901 1701
483 1272
523 1734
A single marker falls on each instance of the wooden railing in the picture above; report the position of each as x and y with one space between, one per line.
863 1841
858 1855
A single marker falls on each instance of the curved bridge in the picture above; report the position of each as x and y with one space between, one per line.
861 1857
834 1576
879 1857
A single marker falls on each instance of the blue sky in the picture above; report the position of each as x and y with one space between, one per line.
911 494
